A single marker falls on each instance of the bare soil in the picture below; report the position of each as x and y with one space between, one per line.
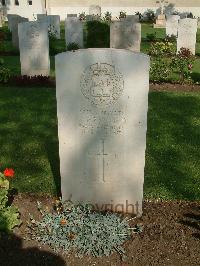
171 236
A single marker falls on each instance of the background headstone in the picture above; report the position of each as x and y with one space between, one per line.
74 31
187 30
1 18
10 20
53 22
160 21
102 101
134 18
15 21
172 25
125 35
71 15
95 10
34 48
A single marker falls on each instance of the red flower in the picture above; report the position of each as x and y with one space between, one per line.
9 172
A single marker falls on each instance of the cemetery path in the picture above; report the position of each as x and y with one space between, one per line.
171 236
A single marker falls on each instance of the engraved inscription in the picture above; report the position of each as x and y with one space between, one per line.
108 122
102 84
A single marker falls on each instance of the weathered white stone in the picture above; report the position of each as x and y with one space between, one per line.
125 35
53 22
95 10
10 20
160 22
172 25
1 17
187 30
72 15
34 48
102 101
15 21
74 31
134 18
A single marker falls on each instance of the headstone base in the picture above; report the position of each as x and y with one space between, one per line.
160 22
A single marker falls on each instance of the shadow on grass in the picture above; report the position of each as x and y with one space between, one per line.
173 141
12 253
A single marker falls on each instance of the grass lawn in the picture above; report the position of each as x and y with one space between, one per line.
29 143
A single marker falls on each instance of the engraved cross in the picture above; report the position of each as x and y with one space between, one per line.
103 154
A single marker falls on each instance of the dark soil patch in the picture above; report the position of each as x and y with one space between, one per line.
171 236
174 87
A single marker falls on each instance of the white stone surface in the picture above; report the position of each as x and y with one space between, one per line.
72 15
53 22
172 25
187 30
95 10
125 34
74 31
102 102
34 49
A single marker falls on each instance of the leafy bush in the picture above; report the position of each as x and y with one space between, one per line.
163 48
4 72
72 46
182 63
160 70
151 37
98 34
122 14
150 16
9 215
171 38
82 16
5 32
139 15
78 228
107 17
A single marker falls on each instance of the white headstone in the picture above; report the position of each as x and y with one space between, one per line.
34 49
53 22
54 25
10 21
172 25
102 101
15 21
187 30
72 15
95 10
125 35
134 18
74 31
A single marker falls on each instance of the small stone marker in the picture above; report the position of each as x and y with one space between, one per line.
95 10
187 30
172 25
160 22
53 22
102 102
34 48
15 21
74 31
125 35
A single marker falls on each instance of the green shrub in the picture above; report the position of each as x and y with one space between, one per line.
82 16
5 73
107 17
160 70
98 34
4 31
9 215
162 49
72 46
182 63
151 37
122 14
150 16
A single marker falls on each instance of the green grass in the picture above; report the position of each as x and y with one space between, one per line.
29 143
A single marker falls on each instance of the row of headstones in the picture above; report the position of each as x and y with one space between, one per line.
184 29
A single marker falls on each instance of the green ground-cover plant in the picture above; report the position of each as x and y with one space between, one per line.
80 229
9 215
4 72
160 70
162 48
182 63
